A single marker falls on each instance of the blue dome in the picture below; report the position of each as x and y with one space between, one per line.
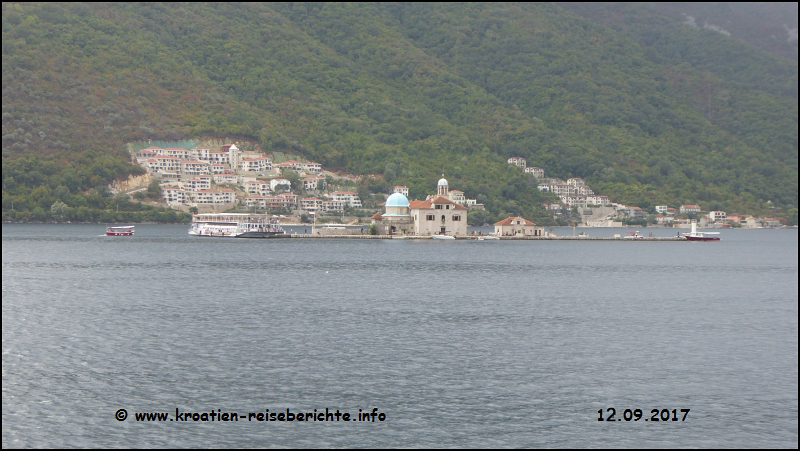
442 182
397 200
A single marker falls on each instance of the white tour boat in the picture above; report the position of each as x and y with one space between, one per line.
236 225
120 231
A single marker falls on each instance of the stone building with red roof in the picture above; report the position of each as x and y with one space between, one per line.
517 226
437 215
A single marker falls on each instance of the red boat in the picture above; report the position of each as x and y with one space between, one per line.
120 231
700 236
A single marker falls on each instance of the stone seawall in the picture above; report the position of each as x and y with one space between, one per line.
504 238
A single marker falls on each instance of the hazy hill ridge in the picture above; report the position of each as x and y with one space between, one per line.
652 112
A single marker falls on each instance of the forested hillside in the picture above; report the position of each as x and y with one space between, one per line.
646 109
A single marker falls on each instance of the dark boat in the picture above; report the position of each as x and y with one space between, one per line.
700 236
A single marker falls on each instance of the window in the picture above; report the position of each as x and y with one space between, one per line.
438 207
429 217
456 217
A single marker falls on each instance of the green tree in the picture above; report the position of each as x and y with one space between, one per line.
59 211
154 190
39 214
293 178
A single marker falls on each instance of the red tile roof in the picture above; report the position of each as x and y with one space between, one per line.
510 219
428 204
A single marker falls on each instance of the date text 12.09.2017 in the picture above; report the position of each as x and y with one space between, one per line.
656 415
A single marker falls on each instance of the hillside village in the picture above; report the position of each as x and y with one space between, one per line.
696 119
600 211
202 179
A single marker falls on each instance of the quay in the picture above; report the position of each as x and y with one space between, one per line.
475 237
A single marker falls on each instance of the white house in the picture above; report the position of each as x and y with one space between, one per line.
222 196
716 215
332 205
536 172
180 153
199 183
282 201
258 164
311 204
312 168
347 198
603 201
312 183
255 201
636 212
294 165
275 182
517 161
173 194
664 220
457 197
257 187
219 158
401 189
194 167
217 168
575 201
222 179
517 226
162 163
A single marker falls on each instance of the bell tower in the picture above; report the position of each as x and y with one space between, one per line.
443 189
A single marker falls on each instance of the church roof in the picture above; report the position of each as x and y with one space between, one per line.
397 200
424 204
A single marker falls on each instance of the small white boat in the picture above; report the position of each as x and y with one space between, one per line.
634 236
443 237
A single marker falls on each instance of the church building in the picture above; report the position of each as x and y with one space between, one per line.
397 217
437 215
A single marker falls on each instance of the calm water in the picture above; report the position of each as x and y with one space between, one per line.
460 344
